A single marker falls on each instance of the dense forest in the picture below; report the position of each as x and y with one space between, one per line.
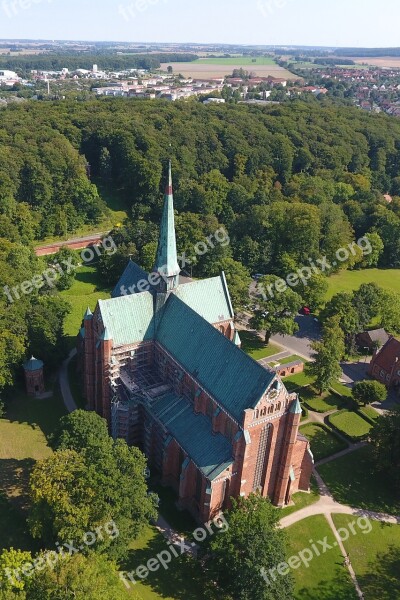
83 60
289 183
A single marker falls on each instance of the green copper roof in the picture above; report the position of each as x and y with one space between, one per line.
211 453
129 280
33 364
167 260
234 379
295 409
128 319
208 297
236 340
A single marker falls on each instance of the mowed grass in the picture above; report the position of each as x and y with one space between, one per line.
23 441
323 442
351 424
375 557
182 580
322 404
353 480
86 290
348 281
326 578
255 346
302 499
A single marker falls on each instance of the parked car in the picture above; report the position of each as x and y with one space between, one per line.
305 311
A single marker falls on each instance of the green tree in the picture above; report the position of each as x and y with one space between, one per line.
367 392
251 546
81 578
11 574
278 309
327 355
385 438
390 311
90 480
66 259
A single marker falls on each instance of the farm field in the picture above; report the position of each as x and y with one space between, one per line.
222 67
382 61
348 281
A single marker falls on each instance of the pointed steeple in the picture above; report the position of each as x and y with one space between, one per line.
167 259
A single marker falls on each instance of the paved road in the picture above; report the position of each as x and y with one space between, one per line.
299 343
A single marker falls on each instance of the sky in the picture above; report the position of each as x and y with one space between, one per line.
358 23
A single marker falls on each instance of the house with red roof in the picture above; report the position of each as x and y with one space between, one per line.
385 365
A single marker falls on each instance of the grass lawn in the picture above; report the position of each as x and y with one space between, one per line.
351 424
23 440
326 578
375 557
294 382
302 499
76 384
254 345
239 61
182 580
322 404
342 389
348 281
369 412
323 442
86 290
352 481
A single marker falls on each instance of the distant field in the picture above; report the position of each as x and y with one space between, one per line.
385 61
240 60
221 67
348 281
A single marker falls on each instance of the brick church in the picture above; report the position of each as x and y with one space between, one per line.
164 367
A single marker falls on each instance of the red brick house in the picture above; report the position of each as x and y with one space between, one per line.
385 365
163 365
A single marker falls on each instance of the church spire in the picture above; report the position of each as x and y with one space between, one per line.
167 259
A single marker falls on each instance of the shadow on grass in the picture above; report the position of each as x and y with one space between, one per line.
44 413
181 579
180 520
339 588
14 480
14 531
323 442
382 580
353 480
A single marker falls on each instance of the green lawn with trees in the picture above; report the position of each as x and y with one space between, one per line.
323 442
349 281
350 480
325 576
375 558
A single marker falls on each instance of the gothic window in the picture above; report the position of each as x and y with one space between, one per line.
228 428
261 458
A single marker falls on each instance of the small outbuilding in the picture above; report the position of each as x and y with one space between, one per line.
34 377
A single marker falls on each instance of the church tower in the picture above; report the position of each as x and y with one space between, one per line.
166 263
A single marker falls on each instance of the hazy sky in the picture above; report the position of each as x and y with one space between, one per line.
302 22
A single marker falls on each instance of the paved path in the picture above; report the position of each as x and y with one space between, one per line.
174 537
274 358
69 401
345 555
